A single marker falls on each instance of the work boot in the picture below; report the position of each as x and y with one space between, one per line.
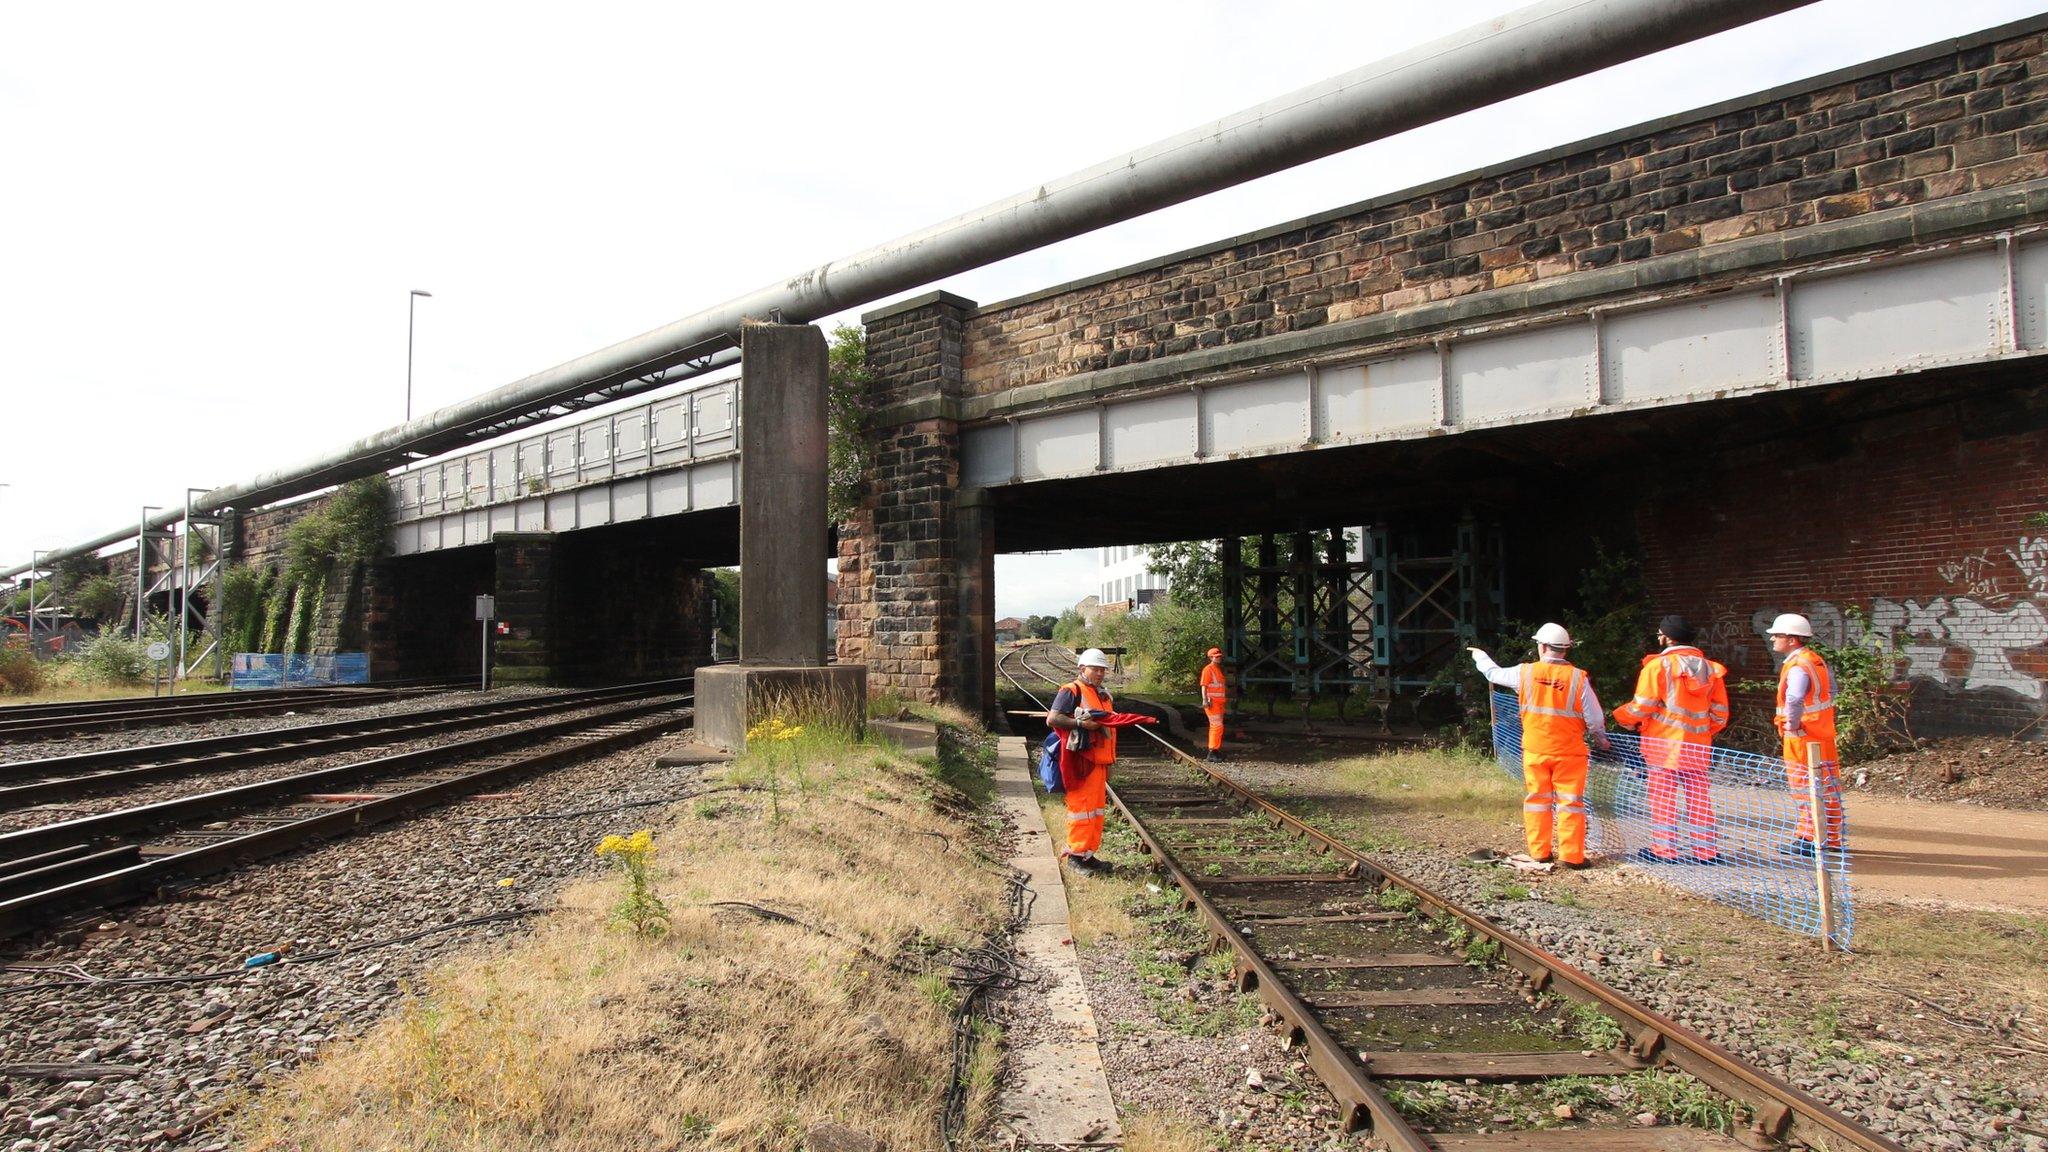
1213 757
1649 857
1797 848
1575 865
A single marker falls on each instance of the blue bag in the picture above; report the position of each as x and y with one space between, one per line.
1049 761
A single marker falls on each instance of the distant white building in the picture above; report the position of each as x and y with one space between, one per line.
1125 575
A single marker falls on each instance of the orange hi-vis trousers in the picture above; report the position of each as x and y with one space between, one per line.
1675 768
1087 803
1555 783
1830 785
1216 729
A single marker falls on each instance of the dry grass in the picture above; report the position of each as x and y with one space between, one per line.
732 1031
1096 905
1153 1132
1410 799
62 691
1467 785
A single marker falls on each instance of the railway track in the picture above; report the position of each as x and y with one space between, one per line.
1388 984
42 721
26 783
55 869
1048 663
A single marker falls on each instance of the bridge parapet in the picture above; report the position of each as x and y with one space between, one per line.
1866 301
676 453
1948 120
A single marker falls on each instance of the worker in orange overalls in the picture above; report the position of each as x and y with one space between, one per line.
1559 711
1806 715
1681 702
1085 761
1215 694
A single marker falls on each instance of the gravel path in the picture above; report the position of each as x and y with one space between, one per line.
199 1045
140 735
210 781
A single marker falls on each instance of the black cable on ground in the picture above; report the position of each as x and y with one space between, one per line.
80 978
988 967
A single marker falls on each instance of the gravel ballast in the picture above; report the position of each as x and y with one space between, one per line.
197 1047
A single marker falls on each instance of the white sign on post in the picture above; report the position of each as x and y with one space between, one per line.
159 650
486 608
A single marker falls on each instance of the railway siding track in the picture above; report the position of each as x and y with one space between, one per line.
25 783
1383 980
1363 967
53 869
42 721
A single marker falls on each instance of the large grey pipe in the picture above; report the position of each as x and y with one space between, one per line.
1507 56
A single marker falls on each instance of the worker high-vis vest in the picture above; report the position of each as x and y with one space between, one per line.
1681 698
1552 699
1817 715
1100 748
1215 692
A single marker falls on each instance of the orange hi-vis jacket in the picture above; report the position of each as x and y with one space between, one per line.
1215 692
1101 747
1817 716
1552 701
1681 698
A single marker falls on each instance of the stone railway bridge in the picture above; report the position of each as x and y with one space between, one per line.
1788 347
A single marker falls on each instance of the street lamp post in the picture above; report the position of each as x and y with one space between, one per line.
410 302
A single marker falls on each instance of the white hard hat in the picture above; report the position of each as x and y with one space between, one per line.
1791 624
1093 658
1554 635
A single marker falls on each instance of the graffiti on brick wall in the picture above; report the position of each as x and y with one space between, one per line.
1727 636
1970 640
2031 558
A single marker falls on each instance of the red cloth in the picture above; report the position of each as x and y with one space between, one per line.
1125 719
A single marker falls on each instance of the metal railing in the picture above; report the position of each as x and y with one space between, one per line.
699 424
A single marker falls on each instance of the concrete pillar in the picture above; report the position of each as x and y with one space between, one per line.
974 648
524 586
783 531
783 545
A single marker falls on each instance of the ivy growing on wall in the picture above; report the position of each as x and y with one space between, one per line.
847 408
266 610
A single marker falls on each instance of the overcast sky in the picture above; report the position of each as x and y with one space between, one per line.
211 214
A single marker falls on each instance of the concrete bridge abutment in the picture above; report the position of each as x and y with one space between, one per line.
784 534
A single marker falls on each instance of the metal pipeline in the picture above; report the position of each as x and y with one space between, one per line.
1520 52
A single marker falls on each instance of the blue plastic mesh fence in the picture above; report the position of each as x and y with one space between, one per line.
1735 807
268 670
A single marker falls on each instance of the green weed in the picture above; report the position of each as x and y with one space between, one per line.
1394 899
1596 1028
1425 1103
1680 1099
1482 952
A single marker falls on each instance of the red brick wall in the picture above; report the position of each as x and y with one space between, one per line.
1940 127
1919 522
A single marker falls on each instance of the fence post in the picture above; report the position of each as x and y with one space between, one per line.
1824 884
